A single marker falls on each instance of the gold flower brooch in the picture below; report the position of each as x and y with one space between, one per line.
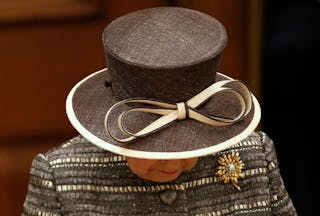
230 169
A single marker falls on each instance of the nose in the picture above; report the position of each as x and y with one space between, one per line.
171 165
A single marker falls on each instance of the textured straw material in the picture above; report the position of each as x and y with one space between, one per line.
165 54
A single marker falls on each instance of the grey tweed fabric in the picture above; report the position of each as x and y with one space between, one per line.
78 178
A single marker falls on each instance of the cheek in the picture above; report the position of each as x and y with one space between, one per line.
140 166
190 163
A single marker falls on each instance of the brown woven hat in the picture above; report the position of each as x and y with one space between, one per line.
161 96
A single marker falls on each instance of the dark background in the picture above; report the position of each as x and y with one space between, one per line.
290 93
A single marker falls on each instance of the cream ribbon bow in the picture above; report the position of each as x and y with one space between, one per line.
171 112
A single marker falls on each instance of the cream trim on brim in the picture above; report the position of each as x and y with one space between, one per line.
157 155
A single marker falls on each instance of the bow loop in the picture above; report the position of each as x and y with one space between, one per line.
170 112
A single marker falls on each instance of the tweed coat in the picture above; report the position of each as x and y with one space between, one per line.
78 178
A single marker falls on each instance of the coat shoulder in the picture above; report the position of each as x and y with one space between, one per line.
76 149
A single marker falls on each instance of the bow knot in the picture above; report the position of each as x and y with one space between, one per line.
171 112
182 110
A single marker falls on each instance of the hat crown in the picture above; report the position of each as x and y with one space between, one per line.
166 53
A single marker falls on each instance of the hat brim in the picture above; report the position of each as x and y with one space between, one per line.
89 101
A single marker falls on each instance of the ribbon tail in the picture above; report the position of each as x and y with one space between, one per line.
157 125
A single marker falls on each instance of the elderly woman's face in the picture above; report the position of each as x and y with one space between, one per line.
160 170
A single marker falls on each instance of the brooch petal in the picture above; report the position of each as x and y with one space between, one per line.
230 169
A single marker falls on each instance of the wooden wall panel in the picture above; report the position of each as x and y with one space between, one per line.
39 65
22 11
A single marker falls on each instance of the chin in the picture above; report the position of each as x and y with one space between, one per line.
165 178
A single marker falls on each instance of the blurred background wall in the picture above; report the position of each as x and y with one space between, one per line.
47 46
290 63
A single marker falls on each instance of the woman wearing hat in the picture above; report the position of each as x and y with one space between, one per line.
161 131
